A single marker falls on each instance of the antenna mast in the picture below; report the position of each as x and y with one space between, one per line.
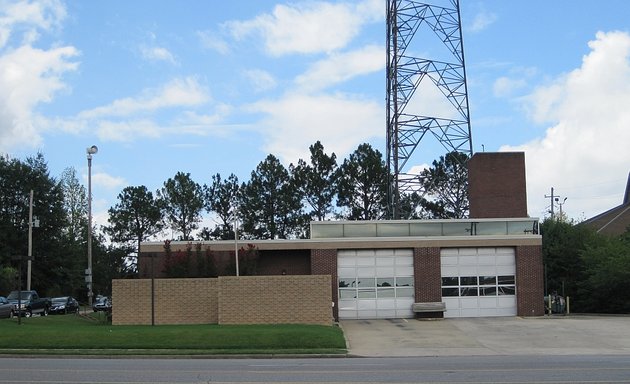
427 98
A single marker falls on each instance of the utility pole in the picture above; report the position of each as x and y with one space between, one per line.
553 198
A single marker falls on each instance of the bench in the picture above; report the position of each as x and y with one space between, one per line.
429 307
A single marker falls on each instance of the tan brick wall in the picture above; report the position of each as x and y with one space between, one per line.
186 301
275 300
226 300
131 302
177 301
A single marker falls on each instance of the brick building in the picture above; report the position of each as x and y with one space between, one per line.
615 221
487 265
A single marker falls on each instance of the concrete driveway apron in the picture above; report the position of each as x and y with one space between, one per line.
569 335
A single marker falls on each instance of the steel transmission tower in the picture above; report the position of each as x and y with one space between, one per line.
427 98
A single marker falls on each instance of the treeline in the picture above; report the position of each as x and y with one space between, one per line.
590 268
59 245
277 202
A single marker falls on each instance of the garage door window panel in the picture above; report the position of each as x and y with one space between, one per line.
386 292
487 291
347 294
367 293
450 292
404 281
404 292
507 291
345 282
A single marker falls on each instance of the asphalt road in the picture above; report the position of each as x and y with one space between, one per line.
439 369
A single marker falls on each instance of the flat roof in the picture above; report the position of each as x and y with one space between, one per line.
389 234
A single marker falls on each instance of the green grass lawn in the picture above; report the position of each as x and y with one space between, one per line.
72 334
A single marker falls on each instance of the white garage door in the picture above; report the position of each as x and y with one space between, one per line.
375 284
478 282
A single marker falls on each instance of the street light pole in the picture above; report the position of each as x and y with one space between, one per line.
30 242
88 278
236 242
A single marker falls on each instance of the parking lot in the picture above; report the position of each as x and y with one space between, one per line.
571 335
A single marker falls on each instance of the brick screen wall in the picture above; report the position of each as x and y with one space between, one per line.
324 262
226 300
132 300
427 280
186 301
529 281
275 300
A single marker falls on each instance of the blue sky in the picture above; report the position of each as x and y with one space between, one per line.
211 87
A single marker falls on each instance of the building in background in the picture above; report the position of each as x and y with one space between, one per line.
615 221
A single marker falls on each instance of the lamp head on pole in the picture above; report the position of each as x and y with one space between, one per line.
91 151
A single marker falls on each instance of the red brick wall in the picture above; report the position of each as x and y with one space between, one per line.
324 262
529 281
496 185
427 280
287 262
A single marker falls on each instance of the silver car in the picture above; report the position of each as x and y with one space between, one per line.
6 308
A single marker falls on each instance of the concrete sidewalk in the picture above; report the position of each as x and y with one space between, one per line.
572 335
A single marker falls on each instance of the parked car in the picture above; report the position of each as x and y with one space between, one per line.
29 303
6 308
64 305
102 303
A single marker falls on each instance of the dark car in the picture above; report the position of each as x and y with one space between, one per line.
6 308
64 305
102 303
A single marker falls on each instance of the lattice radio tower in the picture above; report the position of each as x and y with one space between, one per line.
427 98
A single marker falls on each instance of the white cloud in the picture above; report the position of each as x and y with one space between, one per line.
185 92
342 67
128 130
213 41
506 86
587 147
28 17
132 118
308 27
158 54
29 76
260 80
482 20
104 180
339 121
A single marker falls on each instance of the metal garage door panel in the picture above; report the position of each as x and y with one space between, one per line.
484 263
375 273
